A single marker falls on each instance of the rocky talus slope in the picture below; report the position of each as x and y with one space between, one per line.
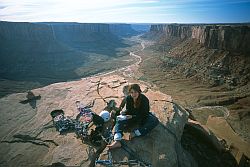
218 54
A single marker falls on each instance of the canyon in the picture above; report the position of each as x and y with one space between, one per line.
37 54
206 73
204 68
218 54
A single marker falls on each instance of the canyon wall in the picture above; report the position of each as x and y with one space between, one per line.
25 31
234 38
173 30
52 31
51 51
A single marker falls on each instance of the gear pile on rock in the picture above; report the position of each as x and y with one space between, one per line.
82 124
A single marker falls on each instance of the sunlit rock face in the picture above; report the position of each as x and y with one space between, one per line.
173 30
214 54
233 38
229 38
26 129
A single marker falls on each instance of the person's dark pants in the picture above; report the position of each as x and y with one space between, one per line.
150 123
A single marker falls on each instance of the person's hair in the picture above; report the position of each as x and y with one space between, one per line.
136 88
125 90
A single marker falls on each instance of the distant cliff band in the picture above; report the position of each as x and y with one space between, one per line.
233 37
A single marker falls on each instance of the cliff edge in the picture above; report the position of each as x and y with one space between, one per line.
27 129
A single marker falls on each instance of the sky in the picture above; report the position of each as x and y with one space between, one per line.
126 11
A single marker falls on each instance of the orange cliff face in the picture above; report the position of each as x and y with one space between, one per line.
234 38
213 54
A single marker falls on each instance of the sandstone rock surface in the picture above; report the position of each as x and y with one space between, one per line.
233 38
28 137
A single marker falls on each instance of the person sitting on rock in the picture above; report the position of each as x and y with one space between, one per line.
118 110
137 113
125 91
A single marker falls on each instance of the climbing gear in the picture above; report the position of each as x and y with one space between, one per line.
81 126
85 119
105 115
136 160
106 162
61 122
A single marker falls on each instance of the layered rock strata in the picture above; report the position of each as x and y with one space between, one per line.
234 38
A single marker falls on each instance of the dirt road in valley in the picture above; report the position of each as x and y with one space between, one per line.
130 70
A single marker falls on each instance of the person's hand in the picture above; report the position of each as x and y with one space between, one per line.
121 117
123 112
124 117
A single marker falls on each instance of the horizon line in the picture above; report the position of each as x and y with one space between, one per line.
126 22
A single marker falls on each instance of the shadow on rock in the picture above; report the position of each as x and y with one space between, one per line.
56 164
19 138
31 99
206 149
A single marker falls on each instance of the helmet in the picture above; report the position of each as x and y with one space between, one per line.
105 115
